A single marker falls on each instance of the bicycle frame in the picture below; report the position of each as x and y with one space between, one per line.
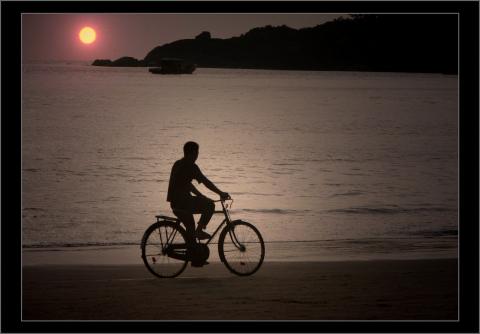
226 220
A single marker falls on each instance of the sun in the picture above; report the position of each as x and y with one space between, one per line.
87 35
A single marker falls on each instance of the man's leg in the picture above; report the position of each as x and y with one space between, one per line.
185 214
189 222
204 206
186 217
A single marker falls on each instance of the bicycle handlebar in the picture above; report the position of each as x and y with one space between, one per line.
224 200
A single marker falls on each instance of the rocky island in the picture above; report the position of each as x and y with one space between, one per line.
389 43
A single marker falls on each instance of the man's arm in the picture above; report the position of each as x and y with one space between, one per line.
209 184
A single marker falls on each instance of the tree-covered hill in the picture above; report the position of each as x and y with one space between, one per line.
386 42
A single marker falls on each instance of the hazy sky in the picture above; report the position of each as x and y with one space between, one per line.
55 36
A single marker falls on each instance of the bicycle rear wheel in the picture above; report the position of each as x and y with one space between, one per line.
164 250
241 248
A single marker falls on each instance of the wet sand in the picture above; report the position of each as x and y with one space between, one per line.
360 290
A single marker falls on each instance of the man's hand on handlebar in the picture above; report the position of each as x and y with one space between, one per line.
224 196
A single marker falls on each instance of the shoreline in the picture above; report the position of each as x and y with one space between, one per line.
355 290
308 252
88 63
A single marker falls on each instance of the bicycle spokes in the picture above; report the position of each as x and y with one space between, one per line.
169 237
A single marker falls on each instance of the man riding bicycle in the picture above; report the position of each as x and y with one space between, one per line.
180 188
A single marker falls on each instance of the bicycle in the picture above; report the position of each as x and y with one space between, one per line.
164 252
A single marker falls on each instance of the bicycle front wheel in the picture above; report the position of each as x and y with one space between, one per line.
164 249
241 248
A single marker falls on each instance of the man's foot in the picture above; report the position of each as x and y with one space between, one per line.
195 264
202 234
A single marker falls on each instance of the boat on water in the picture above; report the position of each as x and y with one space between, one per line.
173 66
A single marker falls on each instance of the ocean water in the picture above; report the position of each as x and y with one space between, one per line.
326 164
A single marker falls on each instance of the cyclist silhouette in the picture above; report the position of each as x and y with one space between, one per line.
180 190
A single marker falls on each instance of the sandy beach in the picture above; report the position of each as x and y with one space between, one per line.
360 290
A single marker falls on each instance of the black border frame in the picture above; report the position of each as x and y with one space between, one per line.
468 163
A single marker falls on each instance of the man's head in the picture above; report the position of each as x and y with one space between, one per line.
190 151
